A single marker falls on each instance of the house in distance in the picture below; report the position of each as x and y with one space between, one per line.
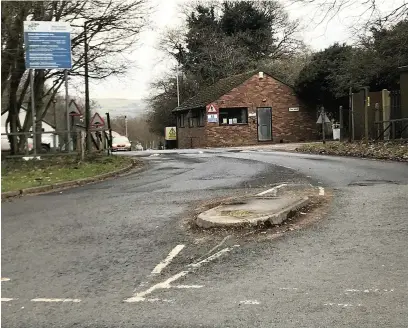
245 109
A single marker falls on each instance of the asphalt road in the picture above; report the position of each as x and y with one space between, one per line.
121 253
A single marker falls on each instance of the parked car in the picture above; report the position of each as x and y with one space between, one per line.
121 143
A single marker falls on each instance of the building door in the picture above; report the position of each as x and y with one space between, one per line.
264 115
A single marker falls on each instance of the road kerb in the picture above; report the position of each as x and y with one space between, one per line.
68 184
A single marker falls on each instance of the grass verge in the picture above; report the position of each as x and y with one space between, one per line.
396 151
17 174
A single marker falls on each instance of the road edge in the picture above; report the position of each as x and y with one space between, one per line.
74 183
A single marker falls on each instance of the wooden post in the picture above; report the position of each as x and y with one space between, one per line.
341 122
110 133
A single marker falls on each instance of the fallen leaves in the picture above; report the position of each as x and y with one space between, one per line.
392 150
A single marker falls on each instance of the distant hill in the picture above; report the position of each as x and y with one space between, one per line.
120 107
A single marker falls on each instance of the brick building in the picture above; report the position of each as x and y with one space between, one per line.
244 109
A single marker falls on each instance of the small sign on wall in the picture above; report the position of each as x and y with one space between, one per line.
293 109
212 113
212 118
252 115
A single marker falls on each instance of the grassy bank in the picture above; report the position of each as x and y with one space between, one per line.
17 174
396 151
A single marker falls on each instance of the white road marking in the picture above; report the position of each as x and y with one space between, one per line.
159 267
212 257
321 191
250 302
344 305
5 299
5 279
369 290
274 190
215 247
141 296
152 300
187 286
49 300
288 288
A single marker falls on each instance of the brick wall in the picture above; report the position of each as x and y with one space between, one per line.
191 137
255 92
266 92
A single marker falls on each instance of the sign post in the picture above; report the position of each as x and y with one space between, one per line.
323 119
47 46
171 133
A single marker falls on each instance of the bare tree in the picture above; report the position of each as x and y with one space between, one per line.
379 12
113 28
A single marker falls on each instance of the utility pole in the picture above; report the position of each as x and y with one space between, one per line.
351 117
366 104
87 104
178 88
126 130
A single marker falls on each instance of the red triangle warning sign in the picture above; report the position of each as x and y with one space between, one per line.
211 109
97 121
73 109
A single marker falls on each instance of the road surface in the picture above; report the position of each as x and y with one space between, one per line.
120 253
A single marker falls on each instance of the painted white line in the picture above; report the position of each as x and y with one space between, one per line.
344 305
212 257
5 279
287 288
321 191
5 299
153 300
215 247
50 300
369 290
274 190
187 286
141 296
159 267
250 302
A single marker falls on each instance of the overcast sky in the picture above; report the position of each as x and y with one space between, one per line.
149 63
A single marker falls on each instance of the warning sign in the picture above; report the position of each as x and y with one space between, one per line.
97 121
212 109
171 133
320 119
73 109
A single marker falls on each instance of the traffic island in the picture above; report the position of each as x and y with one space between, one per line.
269 208
254 211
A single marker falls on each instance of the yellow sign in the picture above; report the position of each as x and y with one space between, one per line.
171 133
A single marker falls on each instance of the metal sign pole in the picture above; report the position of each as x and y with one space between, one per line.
67 110
33 110
323 124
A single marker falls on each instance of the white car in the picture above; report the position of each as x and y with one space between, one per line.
121 143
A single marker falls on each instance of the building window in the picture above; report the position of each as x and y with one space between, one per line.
180 120
232 116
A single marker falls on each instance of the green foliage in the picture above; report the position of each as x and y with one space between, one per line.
374 63
315 83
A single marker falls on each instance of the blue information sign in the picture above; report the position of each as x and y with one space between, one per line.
48 45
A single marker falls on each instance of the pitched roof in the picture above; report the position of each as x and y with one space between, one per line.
217 90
